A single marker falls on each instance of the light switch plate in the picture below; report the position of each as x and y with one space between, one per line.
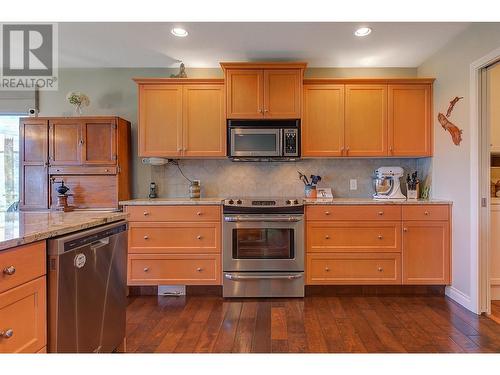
353 184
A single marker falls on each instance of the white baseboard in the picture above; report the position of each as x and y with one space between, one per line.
460 298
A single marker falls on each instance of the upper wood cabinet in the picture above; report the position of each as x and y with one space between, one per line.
410 116
367 117
181 117
366 120
99 142
263 90
323 120
34 155
65 141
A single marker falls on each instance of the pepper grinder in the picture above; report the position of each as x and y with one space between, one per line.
152 190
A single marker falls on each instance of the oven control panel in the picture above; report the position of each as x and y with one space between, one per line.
264 203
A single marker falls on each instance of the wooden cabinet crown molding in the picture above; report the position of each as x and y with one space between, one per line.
176 81
367 80
263 65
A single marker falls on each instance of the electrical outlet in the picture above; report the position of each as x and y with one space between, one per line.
353 184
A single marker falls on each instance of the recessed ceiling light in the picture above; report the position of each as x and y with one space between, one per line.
363 31
179 31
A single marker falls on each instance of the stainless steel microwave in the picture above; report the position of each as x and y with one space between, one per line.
263 140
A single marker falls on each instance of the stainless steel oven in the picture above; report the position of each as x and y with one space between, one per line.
263 248
263 140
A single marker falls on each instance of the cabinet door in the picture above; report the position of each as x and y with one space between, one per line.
65 142
426 252
245 93
323 120
282 93
34 139
409 118
23 312
99 142
366 120
160 120
204 125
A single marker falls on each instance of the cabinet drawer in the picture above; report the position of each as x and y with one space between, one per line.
426 212
174 238
82 170
354 212
342 268
21 264
361 236
174 213
159 269
23 314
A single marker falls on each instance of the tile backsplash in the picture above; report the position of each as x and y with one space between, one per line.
224 178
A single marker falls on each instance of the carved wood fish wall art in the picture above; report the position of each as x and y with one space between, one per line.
455 132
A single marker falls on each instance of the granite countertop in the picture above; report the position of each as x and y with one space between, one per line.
307 201
19 228
172 201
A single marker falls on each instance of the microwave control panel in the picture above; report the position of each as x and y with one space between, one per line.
291 147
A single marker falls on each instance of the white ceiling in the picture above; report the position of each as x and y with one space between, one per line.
320 44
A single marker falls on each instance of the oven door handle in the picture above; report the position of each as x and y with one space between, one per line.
253 219
233 277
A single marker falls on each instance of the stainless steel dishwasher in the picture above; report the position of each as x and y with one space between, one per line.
87 290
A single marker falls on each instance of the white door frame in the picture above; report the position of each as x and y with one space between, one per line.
480 185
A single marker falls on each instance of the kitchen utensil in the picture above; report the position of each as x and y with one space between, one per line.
386 183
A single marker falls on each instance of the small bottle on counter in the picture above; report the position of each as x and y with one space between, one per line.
152 190
194 189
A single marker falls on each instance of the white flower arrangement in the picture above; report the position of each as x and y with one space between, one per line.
78 99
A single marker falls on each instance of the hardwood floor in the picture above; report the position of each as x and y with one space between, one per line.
316 324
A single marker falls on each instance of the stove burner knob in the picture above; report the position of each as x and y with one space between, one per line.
288 201
296 201
239 201
230 201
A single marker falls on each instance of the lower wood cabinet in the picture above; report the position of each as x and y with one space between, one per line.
353 268
174 245
378 244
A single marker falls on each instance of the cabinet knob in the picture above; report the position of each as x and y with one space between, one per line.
380 269
405 229
199 213
179 149
7 334
146 269
427 213
199 269
266 110
146 237
327 237
327 269
380 213
380 237
81 142
106 170
146 213
327 213
9 270
198 237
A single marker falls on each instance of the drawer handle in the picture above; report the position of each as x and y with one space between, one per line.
9 270
146 237
7 334
146 269
198 237
380 269
327 237
146 213
199 269
327 213
380 213
327 269
106 170
380 236
199 213
427 213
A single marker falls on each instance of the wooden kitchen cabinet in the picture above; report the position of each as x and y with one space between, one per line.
181 118
263 90
91 155
33 160
410 120
323 121
366 120
174 245
23 306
